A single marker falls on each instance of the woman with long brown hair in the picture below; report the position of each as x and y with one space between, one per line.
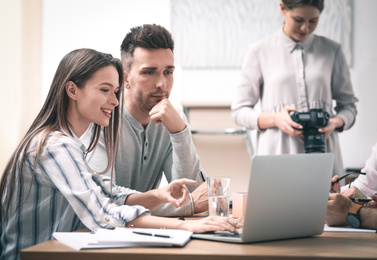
47 185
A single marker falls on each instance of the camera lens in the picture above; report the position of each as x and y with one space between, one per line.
314 141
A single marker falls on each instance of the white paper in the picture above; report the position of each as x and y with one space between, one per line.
348 229
123 237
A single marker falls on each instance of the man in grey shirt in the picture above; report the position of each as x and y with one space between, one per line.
155 139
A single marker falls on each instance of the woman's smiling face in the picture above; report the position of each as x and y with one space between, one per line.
96 101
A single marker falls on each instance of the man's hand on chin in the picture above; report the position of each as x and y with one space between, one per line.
164 113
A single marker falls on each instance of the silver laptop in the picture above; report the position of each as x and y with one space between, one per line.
287 198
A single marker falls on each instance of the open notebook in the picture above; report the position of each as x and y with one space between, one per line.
287 198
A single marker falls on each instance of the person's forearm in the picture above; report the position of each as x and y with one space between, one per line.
149 199
148 221
184 162
266 120
170 210
368 218
337 121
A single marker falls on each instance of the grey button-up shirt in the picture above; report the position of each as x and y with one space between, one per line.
145 154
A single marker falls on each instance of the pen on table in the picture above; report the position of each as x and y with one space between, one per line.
344 176
151 234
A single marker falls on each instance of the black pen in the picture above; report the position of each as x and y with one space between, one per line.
360 200
151 234
344 176
340 178
201 174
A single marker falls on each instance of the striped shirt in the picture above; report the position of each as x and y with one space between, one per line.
64 195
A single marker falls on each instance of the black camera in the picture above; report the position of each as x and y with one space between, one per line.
314 141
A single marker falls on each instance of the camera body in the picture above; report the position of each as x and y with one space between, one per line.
314 141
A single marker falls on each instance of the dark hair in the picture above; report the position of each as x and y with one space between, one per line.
149 36
290 4
77 66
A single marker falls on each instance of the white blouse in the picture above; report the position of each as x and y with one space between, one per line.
280 72
367 184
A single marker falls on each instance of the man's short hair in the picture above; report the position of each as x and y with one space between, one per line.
149 36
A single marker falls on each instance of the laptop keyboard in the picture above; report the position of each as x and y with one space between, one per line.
228 234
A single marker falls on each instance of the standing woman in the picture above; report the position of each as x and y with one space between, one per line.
295 70
48 187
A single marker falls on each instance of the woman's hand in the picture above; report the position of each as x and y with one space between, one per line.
335 188
176 192
334 123
353 192
212 224
285 123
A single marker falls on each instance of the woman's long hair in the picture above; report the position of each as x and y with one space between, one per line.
77 66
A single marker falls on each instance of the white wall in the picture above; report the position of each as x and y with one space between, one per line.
101 25
357 142
10 74
96 24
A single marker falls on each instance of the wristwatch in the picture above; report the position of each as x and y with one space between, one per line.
353 218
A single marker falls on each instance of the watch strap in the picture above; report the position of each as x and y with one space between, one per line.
355 209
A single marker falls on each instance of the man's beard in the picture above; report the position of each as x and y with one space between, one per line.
145 103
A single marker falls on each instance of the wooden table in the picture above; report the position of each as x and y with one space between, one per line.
326 246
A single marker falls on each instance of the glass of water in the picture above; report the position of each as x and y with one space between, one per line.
218 196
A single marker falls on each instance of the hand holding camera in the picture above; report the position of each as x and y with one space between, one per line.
283 121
